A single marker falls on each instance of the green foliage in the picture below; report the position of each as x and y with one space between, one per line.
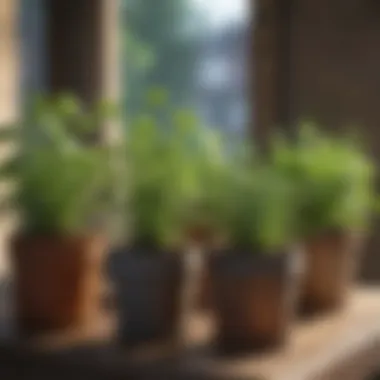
333 177
166 164
253 207
185 175
182 174
157 97
160 48
62 183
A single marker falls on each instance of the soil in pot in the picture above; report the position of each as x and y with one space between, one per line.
331 262
254 298
150 289
58 281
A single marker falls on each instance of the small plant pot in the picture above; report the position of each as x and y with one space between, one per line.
331 262
58 281
149 292
254 298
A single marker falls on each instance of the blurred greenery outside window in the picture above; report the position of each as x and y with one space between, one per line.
187 54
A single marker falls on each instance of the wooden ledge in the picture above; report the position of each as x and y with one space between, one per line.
317 348
339 346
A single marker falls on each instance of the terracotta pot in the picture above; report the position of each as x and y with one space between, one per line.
331 261
254 297
58 281
149 291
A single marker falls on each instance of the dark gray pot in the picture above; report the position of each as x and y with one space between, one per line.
150 290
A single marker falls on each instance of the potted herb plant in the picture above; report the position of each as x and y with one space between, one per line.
254 274
218 154
60 185
334 178
150 272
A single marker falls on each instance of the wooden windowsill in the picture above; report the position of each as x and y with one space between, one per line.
339 346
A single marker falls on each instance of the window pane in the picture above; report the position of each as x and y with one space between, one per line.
195 49
33 47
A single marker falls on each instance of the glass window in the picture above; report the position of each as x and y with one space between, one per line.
33 47
195 50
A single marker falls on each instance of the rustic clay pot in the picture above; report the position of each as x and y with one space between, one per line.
331 262
58 281
254 297
149 290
